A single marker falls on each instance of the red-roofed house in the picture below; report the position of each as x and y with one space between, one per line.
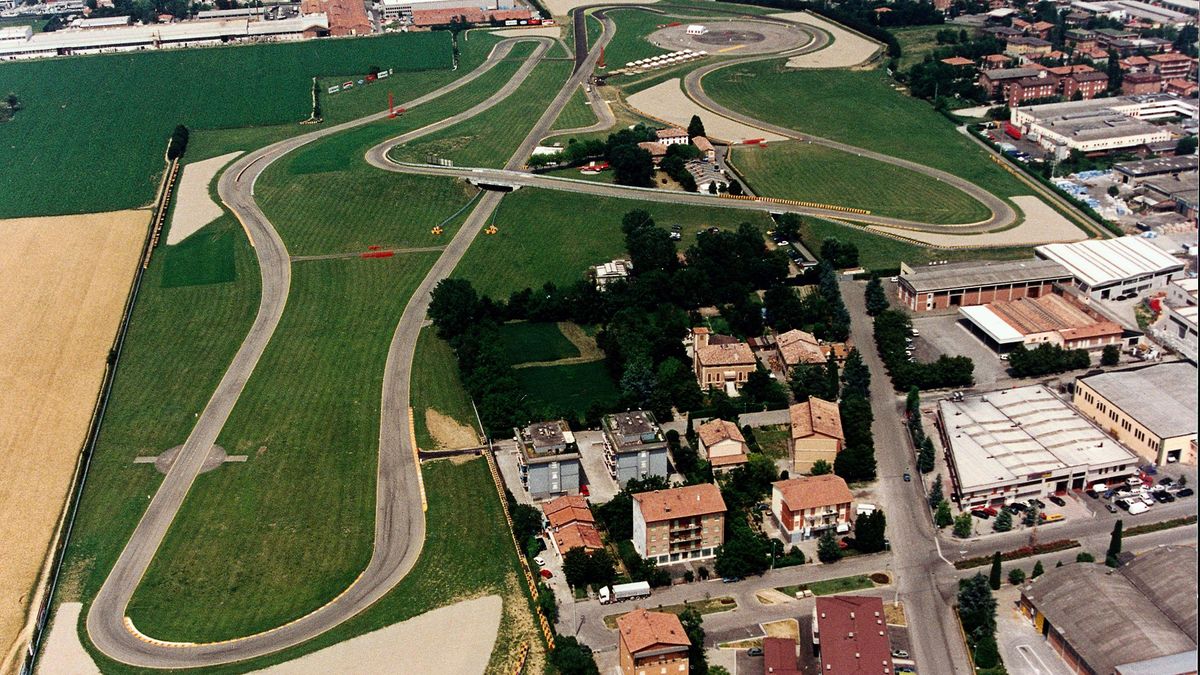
1181 88
803 508
851 636
719 360
686 523
779 656
796 347
652 643
1171 66
571 525
722 444
958 61
816 433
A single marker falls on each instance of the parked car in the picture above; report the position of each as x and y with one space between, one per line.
1111 508
1056 500
584 491
991 511
899 654
1185 492
981 514
754 651
1167 481
546 574
1038 503
541 562
1163 497
1091 493
1108 494
731 580
907 477
1017 507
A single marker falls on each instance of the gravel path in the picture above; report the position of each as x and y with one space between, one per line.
1042 225
420 645
62 652
543 31
666 101
848 49
194 207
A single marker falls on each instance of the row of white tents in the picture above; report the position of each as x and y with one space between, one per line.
669 59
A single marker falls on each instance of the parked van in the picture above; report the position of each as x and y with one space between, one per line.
1137 507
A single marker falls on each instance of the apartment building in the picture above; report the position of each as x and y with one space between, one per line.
679 524
804 508
634 446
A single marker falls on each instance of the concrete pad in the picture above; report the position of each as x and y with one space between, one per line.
1042 225
848 49
539 31
454 639
63 652
666 102
194 208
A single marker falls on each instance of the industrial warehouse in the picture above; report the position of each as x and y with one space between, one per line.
1115 268
936 287
1048 319
1024 443
1151 410
1101 124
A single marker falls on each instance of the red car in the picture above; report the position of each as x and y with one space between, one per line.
583 490
991 511
545 573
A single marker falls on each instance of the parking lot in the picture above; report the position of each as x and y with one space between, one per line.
944 334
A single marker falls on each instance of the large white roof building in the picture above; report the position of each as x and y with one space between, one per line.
1107 268
1016 444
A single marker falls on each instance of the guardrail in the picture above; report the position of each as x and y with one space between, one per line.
160 210
796 202
78 481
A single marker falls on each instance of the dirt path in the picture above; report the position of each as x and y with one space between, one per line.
61 295
666 101
1042 225
448 433
194 207
848 49
418 646
63 652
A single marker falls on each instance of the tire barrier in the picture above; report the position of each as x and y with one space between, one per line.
795 202
160 210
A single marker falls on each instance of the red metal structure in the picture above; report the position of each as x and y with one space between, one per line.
391 106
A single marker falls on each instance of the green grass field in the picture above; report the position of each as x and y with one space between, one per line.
555 236
490 138
796 170
877 252
859 108
99 123
435 384
206 257
916 42
577 113
831 586
295 549
574 387
629 43
530 341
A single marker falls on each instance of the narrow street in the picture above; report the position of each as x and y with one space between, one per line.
936 641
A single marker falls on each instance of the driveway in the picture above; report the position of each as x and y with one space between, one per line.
1023 650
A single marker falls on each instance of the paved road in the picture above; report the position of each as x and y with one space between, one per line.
400 523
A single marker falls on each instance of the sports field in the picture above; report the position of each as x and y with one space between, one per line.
62 294
72 103
822 102
555 236
797 170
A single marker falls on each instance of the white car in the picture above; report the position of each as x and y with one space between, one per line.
900 654
915 332
541 562
894 279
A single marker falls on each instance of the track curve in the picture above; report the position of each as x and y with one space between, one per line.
399 524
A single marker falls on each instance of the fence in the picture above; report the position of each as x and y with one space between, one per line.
78 481
547 631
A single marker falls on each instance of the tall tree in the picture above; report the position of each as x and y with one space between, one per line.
827 548
943 517
935 492
695 127
994 577
693 626
1003 522
977 606
870 532
1114 542
876 298
926 456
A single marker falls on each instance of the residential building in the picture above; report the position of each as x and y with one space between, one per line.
680 524
1110 268
652 643
1137 619
570 524
672 136
939 287
816 433
610 272
1018 444
1172 65
996 61
1038 88
1080 38
1141 83
997 82
720 361
1049 319
779 656
959 62
850 635
797 347
657 150
1182 88
805 508
1150 410
722 444
634 446
705 146
1087 85
1028 47
549 459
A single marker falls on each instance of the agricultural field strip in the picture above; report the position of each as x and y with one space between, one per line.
398 477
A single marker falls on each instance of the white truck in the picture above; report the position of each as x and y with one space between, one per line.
619 592
1138 507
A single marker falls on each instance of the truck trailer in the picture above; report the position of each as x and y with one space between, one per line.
620 592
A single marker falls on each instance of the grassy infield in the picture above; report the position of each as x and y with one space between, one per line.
297 547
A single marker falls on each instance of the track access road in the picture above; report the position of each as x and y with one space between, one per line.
400 522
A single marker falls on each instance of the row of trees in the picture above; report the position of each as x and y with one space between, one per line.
1046 359
892 330
916 430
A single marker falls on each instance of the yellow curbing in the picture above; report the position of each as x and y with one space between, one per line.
795 202
412 438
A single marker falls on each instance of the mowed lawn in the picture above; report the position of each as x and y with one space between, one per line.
877 252
531 341
93 129
576 114
862 109
436 385
250 540
490 138
180 341
629 43
548 235
573 388
797 170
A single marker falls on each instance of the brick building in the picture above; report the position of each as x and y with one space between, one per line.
1086 84
850 634
924 289
1141 83
652 643
816 433
804 508
720 360
1172 66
